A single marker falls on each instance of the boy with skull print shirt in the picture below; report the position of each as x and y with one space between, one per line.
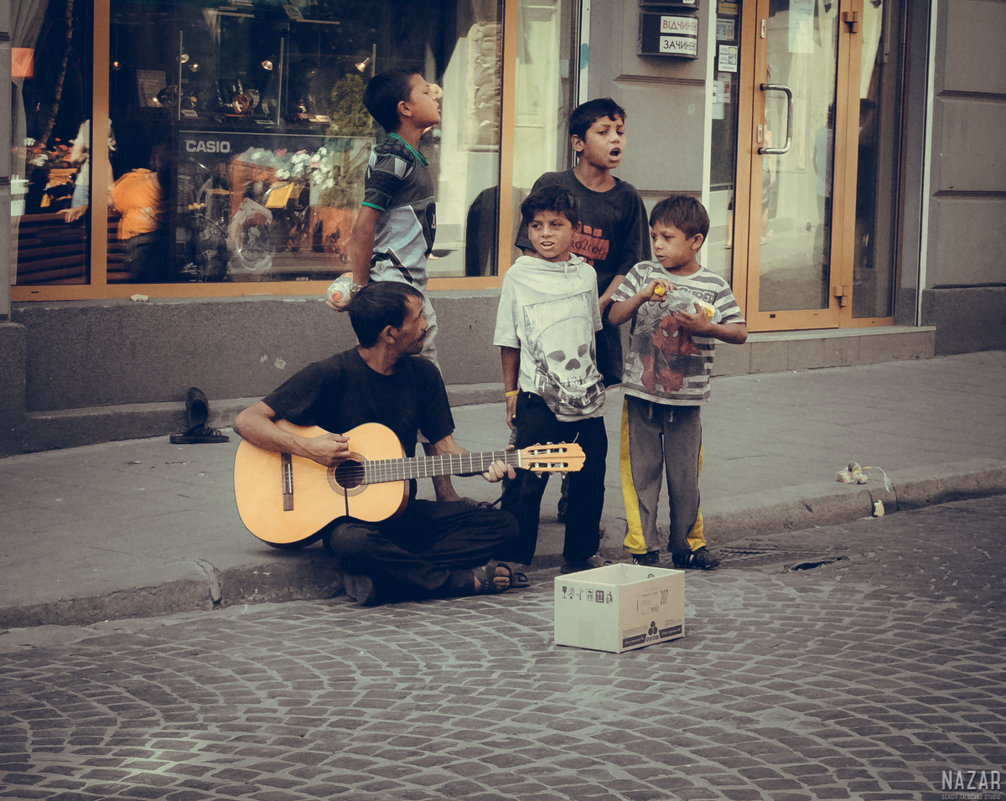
545 327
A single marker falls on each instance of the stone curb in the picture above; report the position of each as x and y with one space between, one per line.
308 574
828 503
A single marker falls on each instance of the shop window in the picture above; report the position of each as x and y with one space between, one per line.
544 96
50 69
240 137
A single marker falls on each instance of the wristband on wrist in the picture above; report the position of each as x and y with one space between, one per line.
511 393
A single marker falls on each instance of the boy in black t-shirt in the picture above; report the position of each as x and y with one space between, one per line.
613 234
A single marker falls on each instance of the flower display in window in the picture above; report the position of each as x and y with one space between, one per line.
55 157
334 171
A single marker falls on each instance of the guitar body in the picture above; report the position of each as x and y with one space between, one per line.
287 500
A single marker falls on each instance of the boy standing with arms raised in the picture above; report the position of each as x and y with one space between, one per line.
666 378
545 325
397 221
393 235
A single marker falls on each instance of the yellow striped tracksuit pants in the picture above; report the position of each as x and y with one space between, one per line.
660 444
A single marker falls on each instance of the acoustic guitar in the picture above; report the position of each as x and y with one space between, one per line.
286 500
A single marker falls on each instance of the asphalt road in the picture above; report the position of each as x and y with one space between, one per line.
858 661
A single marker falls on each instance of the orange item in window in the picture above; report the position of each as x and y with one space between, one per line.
22 62
137 196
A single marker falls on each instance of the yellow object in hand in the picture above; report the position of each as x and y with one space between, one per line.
659 290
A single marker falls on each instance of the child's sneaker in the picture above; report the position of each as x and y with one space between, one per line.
700 559
648 559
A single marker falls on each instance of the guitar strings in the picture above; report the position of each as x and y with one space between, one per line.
354 473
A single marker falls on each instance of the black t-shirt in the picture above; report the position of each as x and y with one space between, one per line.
342 392
613 235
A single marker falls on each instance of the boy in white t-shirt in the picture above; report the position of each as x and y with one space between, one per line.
678 311
545 326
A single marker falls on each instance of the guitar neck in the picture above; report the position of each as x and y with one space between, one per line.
448 464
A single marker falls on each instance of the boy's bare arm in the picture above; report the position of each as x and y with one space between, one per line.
698 323
510 361
605 299
733 333
622 310
361 245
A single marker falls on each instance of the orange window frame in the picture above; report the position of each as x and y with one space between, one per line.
98 288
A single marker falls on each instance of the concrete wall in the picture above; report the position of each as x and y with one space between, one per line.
964 295
966 318
12 387
76 373
73 373
664 99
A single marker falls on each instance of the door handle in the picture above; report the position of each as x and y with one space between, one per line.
778 87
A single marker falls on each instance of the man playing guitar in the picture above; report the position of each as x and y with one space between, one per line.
429 549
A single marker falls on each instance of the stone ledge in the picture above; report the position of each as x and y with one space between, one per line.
763 352
777 351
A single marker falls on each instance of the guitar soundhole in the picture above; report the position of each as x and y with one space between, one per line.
349 475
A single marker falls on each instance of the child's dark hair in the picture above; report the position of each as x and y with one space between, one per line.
377 305
550 198
383 94
683 212
588 113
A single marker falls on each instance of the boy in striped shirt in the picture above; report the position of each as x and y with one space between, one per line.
666 379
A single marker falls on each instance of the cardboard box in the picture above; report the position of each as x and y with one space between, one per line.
619 607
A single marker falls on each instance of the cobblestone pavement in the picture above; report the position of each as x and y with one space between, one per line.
861 661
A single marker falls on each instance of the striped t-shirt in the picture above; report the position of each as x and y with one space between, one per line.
664 363
399 184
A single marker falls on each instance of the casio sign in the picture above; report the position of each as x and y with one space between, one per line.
208 146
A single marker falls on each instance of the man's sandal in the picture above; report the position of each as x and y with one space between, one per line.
489 581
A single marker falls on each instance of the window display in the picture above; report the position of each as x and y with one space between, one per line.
49 155
252 111
253 205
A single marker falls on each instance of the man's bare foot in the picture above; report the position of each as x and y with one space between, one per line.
494 577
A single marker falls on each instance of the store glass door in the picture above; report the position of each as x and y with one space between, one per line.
816 165
796 67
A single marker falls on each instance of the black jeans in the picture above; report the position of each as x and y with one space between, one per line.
428 552
147 257
536 424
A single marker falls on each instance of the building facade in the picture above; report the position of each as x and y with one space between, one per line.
183 176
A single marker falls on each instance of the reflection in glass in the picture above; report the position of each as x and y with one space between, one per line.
718 252
543 95
872 272
262 109
793 223
50 147
257 109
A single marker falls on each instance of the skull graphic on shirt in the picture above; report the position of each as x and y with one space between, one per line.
562 345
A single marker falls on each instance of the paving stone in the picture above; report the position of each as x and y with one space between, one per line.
859 681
